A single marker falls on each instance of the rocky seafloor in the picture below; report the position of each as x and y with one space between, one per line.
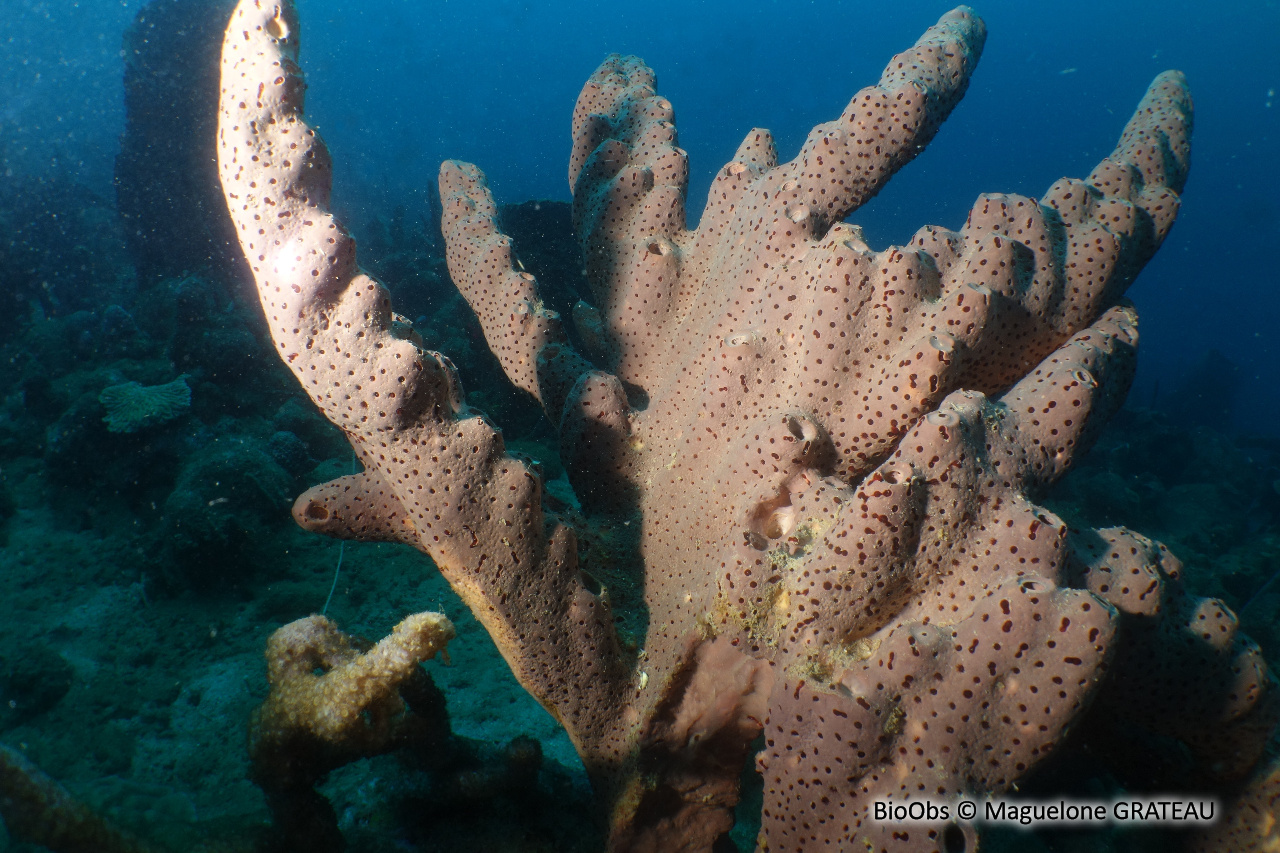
147 554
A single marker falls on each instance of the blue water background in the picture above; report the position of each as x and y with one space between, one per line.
397 86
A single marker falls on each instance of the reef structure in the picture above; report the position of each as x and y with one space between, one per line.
807 469
132 406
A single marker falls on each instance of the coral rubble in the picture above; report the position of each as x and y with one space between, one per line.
332 703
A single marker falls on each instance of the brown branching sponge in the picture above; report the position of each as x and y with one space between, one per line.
829 454
334 701
1249 824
